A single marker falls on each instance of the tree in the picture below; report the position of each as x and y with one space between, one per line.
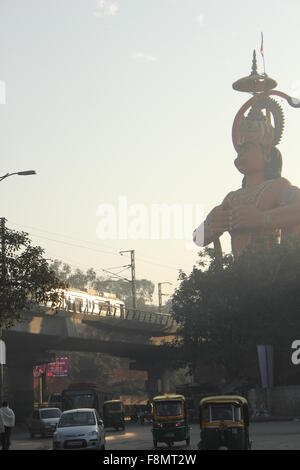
26 278
62 270
225 309
99 368
110 373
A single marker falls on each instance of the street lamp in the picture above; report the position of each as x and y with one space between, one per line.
20 173
2 222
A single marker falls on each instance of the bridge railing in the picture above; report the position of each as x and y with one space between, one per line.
96 309
149 317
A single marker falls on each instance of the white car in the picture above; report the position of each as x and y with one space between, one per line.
79 429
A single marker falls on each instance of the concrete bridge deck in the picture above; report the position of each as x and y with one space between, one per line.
140 336
44 330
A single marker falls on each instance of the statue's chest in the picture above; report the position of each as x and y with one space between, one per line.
261 197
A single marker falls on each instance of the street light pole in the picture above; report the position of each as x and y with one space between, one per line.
160 295
1 381
3 264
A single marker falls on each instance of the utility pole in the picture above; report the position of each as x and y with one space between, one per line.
160 295
2 360
41 387
3 248
3 277
132 266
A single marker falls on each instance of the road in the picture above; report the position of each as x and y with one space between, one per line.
265 436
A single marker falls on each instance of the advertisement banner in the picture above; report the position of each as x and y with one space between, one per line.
59 368
266 365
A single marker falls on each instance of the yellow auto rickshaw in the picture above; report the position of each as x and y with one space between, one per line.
224 423
113 414
170 421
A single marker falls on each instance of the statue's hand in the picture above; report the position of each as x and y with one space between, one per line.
247 217
219 220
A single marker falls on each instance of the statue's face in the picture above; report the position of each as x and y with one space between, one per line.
250 158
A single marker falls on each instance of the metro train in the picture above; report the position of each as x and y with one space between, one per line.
78 301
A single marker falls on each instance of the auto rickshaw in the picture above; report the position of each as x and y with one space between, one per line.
170 421
224 423
113 414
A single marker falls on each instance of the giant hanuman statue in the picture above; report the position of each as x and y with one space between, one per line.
267 205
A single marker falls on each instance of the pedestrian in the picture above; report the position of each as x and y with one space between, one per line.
8 419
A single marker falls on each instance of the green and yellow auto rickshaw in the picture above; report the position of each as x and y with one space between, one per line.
113 414
224 423
170 421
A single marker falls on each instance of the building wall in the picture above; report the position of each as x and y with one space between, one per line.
285 401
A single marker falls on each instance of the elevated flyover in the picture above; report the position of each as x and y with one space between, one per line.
137 335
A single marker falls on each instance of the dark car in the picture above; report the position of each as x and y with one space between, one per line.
43 422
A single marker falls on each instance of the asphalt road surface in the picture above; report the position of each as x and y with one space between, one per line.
265 436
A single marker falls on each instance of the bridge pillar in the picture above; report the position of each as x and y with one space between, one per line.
153 384
166 381
20 381
20 391
158 382
159 375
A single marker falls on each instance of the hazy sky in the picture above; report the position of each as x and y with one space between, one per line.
131 98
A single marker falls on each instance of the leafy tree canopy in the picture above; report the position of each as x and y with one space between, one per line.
225 309
25 277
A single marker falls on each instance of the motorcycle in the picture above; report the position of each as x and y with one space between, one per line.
145 417
134 418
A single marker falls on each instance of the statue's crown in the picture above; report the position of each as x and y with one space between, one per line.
257 125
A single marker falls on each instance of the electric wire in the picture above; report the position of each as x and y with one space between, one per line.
142 260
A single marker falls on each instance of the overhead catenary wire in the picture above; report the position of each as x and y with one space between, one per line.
89 242
123 270
73 244
118 267
140 259
63 235
98 271
115 275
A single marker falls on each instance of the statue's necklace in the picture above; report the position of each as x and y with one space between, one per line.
248 196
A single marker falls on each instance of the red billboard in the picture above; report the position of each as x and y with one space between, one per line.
59 368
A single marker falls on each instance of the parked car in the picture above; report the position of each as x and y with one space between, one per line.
43 421
79 429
